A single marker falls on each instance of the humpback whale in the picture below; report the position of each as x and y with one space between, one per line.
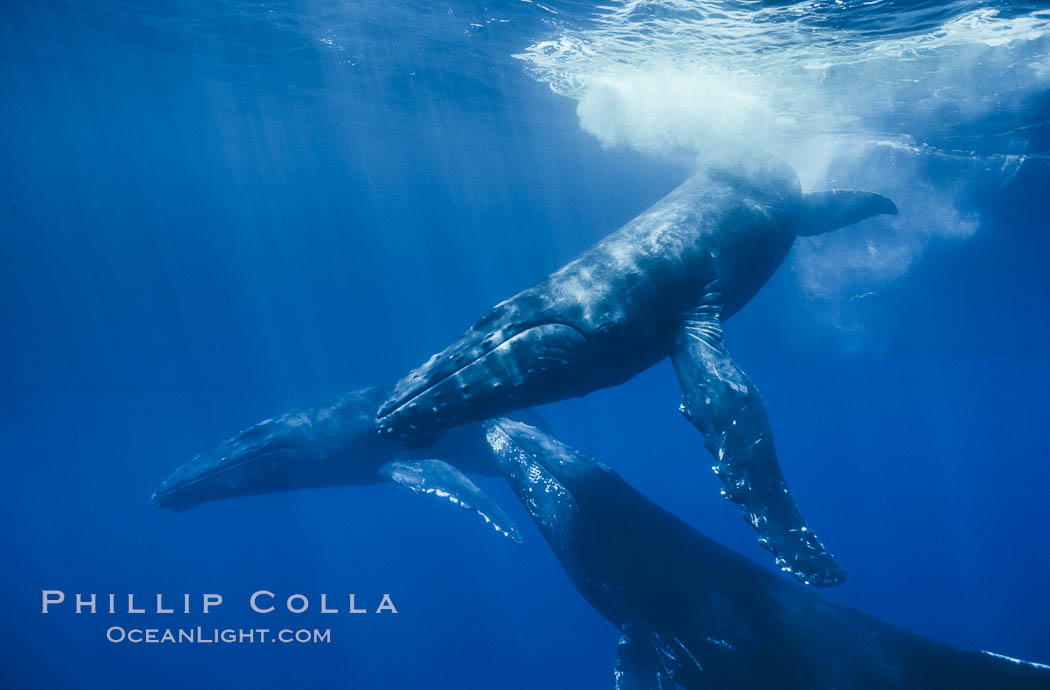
335 444
660 286
695 613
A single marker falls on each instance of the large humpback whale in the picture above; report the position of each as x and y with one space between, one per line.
660 286
692 612
335 444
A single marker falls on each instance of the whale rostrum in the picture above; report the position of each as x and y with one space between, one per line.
335 444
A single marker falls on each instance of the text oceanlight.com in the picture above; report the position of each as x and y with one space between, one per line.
200 635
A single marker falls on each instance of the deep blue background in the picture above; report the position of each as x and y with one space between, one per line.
209 216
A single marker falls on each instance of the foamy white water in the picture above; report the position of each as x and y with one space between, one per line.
860 94
680 75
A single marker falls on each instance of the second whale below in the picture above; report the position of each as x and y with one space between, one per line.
692 613
335 444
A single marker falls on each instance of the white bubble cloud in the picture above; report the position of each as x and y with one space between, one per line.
846 104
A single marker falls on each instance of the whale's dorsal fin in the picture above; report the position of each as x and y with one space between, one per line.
445 481
836 208
720 400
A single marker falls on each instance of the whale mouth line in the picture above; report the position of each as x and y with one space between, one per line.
160 495
388 410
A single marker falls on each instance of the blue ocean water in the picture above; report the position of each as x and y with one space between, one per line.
213 212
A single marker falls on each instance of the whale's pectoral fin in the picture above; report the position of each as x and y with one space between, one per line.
836 208
720 400
641 666
445 481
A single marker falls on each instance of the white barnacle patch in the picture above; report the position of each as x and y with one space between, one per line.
535 475
299 419
497 439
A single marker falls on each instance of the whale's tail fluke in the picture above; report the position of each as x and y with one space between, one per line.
836 208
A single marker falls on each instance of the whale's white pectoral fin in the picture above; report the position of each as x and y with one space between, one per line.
442 480
836 208
720 400
640 666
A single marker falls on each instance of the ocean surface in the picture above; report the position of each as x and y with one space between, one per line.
211 212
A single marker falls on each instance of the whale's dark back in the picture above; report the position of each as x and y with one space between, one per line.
746 626
734 223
